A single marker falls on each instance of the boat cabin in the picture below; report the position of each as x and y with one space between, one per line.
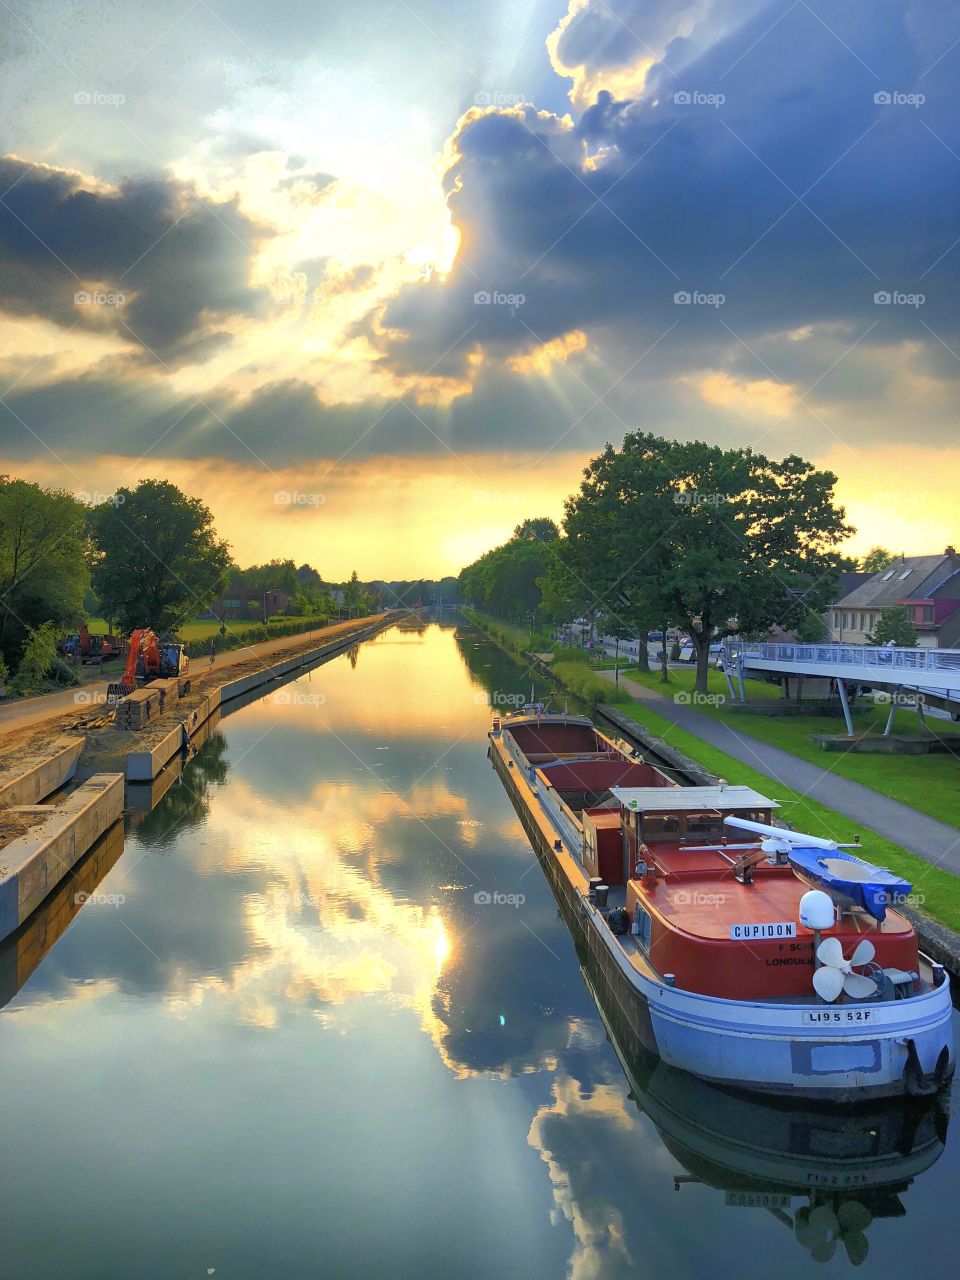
711 907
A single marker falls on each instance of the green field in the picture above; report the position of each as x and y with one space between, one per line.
930 783
203 630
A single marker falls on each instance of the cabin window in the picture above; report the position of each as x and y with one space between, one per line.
705 828
661 826
641 923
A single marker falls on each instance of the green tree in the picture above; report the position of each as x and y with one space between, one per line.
39 655
876 559
43 561
894 624
811 629
712 539
158 560
537 529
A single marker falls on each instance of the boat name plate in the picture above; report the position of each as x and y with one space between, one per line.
774 929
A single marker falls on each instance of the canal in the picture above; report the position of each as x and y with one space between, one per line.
319 1018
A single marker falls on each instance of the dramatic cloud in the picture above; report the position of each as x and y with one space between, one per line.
774 188
151 260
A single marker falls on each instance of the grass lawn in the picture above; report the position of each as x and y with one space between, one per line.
936 892
205 628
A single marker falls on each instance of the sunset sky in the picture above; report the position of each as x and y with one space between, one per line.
375 279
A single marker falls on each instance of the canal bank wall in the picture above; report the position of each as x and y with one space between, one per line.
35 862
31 780
147 762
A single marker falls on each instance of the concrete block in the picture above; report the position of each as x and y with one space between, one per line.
35 863
38 775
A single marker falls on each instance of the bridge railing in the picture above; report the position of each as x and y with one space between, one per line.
885 659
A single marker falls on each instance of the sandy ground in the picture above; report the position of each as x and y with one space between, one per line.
25 726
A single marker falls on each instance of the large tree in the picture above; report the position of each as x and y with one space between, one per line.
43 561
895 624
158 560
710 539
876 559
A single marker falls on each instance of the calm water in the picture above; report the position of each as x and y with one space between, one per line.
283 1040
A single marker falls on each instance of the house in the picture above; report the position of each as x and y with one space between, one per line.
248 606
928 587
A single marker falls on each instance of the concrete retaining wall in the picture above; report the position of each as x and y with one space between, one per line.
35 863
144 764
37 778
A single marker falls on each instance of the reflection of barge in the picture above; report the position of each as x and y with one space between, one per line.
705 952
826 1174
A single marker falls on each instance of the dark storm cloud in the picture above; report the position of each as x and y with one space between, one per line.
148 260
768 172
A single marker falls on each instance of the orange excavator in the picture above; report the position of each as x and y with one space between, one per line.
149 659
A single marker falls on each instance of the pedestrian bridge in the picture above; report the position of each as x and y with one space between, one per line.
936 669
931 672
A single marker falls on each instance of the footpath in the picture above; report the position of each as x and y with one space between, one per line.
935 842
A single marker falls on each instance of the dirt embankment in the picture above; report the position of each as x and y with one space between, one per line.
106 745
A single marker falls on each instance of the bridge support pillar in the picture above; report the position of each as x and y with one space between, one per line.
842 689
893 706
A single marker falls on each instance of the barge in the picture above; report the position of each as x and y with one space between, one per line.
698 911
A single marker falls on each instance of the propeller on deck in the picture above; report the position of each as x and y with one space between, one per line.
836 973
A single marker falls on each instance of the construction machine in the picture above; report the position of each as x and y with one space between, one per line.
91 648
149 659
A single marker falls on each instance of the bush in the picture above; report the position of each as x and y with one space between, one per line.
41 669
274 629
583 684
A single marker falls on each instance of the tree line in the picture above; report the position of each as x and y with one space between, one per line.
665 533
148 556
